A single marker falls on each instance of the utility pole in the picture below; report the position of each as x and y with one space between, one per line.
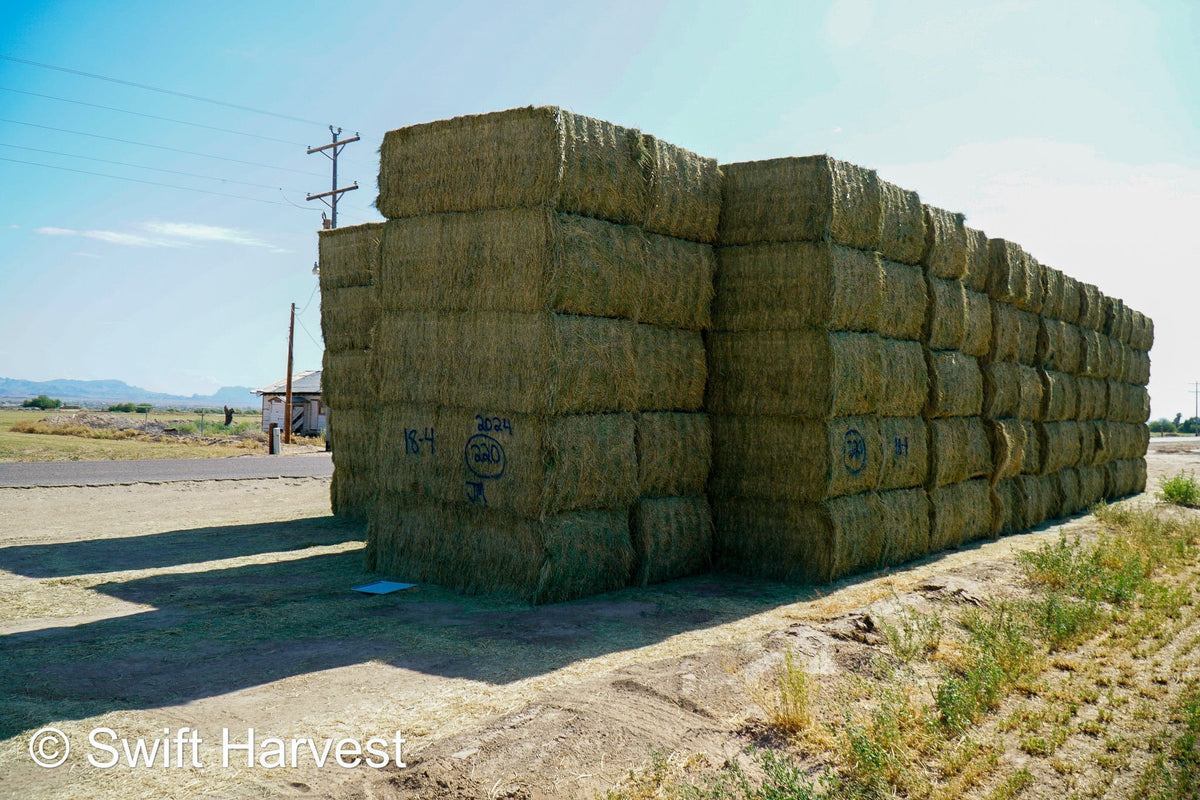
331 151
287 398
1196 392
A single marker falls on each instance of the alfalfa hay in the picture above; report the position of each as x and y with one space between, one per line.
905 458
905 302
788 458
674 453
1060 396
976 278
1013 276
672 538
1014 334
959 450
902 224
1059 345
533 259
788 285
351 495
955 385
904 378
808 373
813 199
348 380
349 316
1092 480
947 320
670 368
946 246
1009 440
977 340
959 513
903 519
1124 477
683 191
349 256
534 466
1059 445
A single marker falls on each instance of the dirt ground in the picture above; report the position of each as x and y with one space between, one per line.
214 608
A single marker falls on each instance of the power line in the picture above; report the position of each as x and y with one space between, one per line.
138 180
150 116
159 147
157 89
310 336
140 166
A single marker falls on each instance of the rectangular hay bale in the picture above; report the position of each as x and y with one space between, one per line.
903 517
946 246
1059 345
905 302
955 385
674 453
1060 396
1014 335
902 224
1009 439
1124 477
349 256
672 538
959 513
348 380
959 450
349 316
1059 445
905 443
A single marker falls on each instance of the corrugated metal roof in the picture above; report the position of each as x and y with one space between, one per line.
302 383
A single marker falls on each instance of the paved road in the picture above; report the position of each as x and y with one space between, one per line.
108 473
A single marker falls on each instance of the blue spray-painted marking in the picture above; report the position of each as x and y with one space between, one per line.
854 452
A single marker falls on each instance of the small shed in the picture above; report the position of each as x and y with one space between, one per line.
309 415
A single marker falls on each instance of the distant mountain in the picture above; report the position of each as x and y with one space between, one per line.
106 392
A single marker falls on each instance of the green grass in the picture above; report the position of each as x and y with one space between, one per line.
1180 490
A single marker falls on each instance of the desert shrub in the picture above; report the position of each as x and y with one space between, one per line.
1180 490
43 402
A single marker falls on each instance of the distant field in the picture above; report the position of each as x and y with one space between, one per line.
42 447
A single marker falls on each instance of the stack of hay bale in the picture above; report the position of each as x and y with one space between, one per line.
817 377
349 260
544 280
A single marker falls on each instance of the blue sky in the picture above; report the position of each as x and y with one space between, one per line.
1072 128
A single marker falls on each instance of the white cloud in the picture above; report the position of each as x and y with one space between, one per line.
195 232
110 237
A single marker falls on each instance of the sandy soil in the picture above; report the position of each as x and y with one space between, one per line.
226 606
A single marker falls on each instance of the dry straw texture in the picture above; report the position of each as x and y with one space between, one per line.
788 540
351 495
976 278
905 452
1014 334
1071 300
1009 440
788 285
349 316
354 436
548 157
1011 390
349 256
1124 477
348 380
1093 398
1094 354
904 381
959 450
539 363
1059 445
1069 498
1059 345
1031 460
1090 442
903 520
946 246
1142 337
1053 295
533 259
959 513
808 373
978 339
481 550
1091 485
672 538
947 321
905 301
788 458
1014 276
813 199
533 466
955 385
1060 396
674 453
1125 440
902 224
1091 307
1127 402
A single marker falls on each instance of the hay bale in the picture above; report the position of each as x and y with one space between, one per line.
788 285
1014 334
1089 442
1142 335
955 385
1006 507
1102 450
1071 300
976 278
905 458
548 157
672 538
349 256
530 465
946 246
353 436
1125 477
811 199
902 222
671 369
674 454
1139 368
788 458
351 495
1052 293
1091 307
1011 390
905 302
904 378
808 373
1059 345
903 519
484 550
1031 457
1127 402
978 337
788 540
1060 396
946 324
1117 320
1036 499
1094 352
348 380
1009 441
1068 491
533 260
1093 397
1119 360
1014 276
1125 440
1091 485
1059 445
959 513
348 317
959 449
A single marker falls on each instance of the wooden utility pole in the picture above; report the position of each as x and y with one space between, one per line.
332 151
287 398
